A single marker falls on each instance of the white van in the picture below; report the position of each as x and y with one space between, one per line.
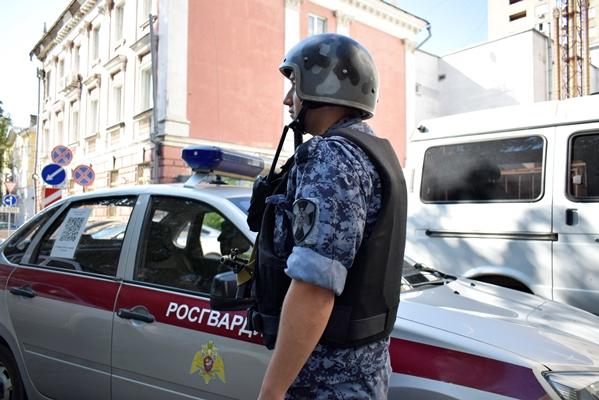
511 196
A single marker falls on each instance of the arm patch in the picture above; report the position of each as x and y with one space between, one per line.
305 216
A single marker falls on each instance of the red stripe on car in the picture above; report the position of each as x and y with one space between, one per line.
70 288
188 312
464 369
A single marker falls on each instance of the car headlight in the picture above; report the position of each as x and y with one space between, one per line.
575 385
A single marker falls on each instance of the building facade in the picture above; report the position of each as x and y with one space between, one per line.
508 17
216 77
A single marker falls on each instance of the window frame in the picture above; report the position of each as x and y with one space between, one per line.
141 251
50 227
568 186
313 20
487 201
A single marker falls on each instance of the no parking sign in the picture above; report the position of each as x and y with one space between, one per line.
84 175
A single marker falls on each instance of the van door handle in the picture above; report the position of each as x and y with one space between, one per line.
571 216
25 291
136 313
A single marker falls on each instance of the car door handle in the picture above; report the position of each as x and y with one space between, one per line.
136 313
571 216
25 291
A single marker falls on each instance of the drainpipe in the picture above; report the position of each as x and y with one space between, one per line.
41 74
428 29
157 148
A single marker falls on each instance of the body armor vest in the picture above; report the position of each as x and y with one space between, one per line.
366 310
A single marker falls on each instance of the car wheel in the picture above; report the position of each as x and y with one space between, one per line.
11 385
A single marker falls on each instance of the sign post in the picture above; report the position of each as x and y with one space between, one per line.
9 200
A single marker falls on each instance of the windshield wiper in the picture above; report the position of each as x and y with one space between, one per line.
423 268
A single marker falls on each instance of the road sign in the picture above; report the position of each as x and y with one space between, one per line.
53 174
10 186
9 210
61 155
9 200
51 196
84 175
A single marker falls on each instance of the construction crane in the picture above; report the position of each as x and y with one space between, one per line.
571 50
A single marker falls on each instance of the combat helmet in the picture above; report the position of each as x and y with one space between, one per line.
333 69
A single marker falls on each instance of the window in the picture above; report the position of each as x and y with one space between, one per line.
76 59
59 127
497 170
61 73
47 85
182 243
95 44
93 112
583 184
87 237
74 128
145 83
316 25
118 23
18 244
46 136
517 16
113 178
116 99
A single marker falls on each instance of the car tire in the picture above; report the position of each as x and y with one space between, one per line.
11 384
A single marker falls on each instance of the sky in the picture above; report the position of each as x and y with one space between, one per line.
455 24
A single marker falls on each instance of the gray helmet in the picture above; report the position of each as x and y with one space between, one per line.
333 69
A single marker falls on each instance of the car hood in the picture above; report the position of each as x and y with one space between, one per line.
541 330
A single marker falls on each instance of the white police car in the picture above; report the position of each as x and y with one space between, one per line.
123 312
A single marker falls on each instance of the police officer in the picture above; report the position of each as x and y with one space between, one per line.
331 241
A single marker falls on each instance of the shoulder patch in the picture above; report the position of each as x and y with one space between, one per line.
305 215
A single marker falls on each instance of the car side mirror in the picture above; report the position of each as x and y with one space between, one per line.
224 293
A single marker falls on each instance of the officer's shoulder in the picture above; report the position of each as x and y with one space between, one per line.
325 149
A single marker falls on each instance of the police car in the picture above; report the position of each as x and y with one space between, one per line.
106 296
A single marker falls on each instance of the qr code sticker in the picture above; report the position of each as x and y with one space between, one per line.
70 231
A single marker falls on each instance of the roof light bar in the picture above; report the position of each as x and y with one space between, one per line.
206 160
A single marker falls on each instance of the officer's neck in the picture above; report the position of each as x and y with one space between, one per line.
318 120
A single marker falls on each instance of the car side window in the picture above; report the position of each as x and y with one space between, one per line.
87 237
583 184
18 244
182 243
508 170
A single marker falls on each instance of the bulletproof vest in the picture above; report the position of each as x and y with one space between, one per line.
366 309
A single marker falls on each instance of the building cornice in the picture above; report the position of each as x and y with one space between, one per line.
378 14
66 22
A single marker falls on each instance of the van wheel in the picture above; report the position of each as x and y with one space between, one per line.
505 282
11 385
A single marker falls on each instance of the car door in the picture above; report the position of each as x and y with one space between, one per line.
61 299
167 341
576 207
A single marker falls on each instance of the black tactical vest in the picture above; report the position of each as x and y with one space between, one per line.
366 310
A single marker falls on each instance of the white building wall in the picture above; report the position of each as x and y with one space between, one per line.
119 143
426 98
498 73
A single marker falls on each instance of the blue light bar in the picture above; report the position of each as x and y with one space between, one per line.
212 159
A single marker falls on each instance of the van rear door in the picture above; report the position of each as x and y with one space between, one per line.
575 216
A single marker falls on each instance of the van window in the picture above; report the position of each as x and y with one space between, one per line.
584 168
486 171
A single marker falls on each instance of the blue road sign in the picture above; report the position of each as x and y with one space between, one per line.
9 200
84 175
61 155
53 174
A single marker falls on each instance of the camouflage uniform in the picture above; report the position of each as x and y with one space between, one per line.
337 177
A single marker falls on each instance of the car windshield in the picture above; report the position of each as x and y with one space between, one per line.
243 203
417 276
